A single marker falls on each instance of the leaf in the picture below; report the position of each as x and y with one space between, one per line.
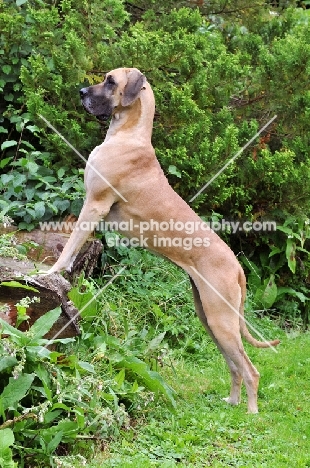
32 128
270 294
61 406
251 266
9 330
155 342
16 390
6 69
9 97
19 180
6 178
267 294
29 192
44 324
42 373
39 209
62 205
5 161
119 379
173 170
135 387
53 444
52 415
290 254
16 284
68 429
28 145
86 366
62 340
286 230
6 438
84 303
275 251
157 311
152 380
76 206
38 351
6 460
8 144
7 362
292 292
49 179
61 173
32 167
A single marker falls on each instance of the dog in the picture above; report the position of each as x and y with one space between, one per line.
125 185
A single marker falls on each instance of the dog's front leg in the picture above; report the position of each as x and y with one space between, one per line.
91 214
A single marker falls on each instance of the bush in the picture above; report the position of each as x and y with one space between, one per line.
215 85
48 398
217 78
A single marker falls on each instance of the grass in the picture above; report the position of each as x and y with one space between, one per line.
205 431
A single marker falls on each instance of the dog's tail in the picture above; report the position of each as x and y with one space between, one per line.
243 327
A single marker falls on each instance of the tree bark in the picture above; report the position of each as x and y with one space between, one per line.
50 246
52 288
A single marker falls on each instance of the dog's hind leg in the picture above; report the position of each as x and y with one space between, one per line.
236 378
225 332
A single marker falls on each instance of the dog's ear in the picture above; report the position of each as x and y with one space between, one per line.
133 87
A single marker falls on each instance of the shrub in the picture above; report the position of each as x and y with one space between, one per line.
217 79
48 398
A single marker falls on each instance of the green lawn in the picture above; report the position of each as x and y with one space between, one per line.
205 431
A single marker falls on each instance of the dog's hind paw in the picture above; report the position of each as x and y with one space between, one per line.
231 401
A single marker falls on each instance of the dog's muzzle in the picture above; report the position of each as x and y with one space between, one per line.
89 104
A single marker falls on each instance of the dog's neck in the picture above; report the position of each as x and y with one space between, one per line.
136 120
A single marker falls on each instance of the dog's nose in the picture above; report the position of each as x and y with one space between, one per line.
83 92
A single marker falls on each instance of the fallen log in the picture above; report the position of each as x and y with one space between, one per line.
52 288
50 244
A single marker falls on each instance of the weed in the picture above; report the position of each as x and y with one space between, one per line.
48 398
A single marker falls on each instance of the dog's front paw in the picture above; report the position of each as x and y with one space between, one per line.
59 268
44 272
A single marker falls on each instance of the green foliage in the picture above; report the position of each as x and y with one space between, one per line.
215 83
48 398
133 351
41 40
10 248
6 440
278 276
219 73
59 42
34 192
217 78
207 432
166 308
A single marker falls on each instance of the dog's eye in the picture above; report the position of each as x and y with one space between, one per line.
110 80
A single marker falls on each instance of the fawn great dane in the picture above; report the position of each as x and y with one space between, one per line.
125 185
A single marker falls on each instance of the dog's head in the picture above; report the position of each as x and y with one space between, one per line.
120 88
